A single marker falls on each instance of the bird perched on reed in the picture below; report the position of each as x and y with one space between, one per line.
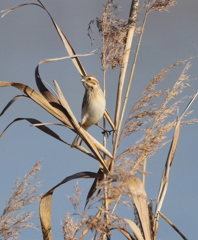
93 105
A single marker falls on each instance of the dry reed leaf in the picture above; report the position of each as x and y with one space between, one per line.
93 188
63 38
189 104
84 150
92 143
54 102
63 58
109 119
172 225
66 106
51 98
165 176
11 102
39 125
98 145
170 158
39 99
6 11
94 146
125 233
135 229
67 45
45 203
70 50
125 59
139 197
81 148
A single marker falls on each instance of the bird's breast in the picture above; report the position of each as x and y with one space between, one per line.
93 110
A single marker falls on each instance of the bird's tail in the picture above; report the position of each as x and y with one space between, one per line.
77 141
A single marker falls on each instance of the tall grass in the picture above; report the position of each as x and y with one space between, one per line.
15 217
118 180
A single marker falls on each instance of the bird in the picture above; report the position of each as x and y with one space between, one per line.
93 105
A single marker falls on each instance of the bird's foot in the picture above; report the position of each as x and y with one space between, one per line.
108 132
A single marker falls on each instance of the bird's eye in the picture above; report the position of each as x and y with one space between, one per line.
89 78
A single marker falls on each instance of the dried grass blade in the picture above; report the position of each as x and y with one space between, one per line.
99 146
172 225
93 146
81 148
93 188
63 58
39 99
165 176
84 150
45 203
65 41
109 119
54 101
135 229
11 102
125 59
126 233
45 129
65 104
70 50
6 11
42 88
37 124
139 198
189 104
126 96
67 45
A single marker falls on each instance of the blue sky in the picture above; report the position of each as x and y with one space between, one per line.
27 36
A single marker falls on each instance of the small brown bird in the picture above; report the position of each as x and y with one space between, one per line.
93 105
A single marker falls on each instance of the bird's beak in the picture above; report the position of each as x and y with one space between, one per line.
83 78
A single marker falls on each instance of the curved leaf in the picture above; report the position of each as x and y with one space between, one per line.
165 176
6 11
11 102
93 188
139 197
39 99
125 233
63 38
135 229
45 203
63 58
39 126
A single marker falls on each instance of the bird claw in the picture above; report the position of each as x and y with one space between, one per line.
108 132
